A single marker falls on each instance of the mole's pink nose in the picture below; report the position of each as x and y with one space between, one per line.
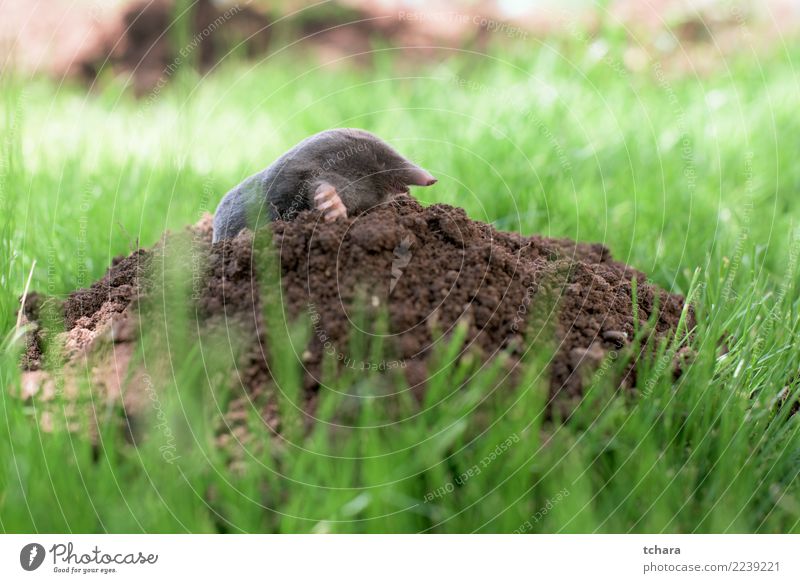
419 177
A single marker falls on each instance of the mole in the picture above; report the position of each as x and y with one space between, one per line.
339 172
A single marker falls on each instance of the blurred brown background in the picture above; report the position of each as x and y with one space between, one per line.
79 39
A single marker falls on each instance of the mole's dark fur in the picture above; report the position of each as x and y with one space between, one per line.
356 165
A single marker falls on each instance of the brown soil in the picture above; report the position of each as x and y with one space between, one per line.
429 268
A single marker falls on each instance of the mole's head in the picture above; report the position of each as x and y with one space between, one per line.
372 170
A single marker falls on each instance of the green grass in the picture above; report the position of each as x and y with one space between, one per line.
685 178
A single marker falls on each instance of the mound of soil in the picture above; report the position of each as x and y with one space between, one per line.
429 269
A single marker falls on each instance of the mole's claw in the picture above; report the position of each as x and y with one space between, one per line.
328 201
335 213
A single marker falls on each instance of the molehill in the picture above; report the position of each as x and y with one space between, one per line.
428 269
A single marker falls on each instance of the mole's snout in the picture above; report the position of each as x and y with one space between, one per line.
342 184
419 177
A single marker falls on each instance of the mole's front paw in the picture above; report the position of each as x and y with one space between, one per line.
327 200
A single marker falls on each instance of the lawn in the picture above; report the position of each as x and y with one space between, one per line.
692 179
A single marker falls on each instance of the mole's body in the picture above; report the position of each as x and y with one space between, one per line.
337 171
